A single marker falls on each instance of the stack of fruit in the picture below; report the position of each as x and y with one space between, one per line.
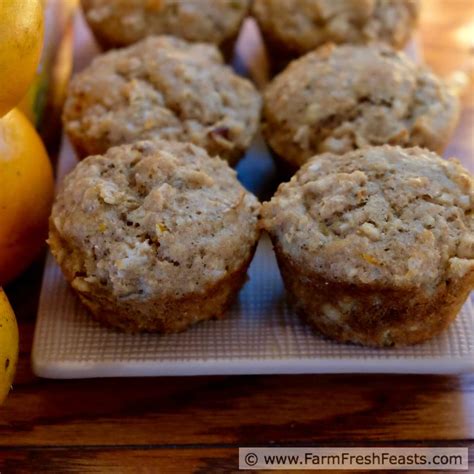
26 177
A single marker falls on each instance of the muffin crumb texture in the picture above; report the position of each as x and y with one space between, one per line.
376 246
155 235
163 88
340 98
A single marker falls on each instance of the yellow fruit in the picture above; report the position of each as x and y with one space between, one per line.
21 39
26 194
8 346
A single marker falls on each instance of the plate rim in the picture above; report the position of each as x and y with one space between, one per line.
252 366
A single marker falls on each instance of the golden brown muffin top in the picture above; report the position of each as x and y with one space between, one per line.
123 22
166 88
153 218
302 25
340 98
385 216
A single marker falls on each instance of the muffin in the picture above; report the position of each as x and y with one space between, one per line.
376 246
340 98
154 236
163 88
292 28
118 23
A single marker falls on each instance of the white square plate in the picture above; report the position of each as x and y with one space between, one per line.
259 335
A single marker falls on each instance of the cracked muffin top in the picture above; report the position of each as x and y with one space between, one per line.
164 88
123 22
401 217
299 26
339 98
152 218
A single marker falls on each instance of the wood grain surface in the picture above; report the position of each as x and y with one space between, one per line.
196 424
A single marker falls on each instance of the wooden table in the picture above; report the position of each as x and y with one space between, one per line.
196 424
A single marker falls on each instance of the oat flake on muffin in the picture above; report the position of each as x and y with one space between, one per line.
164 88
376 246
154 236
340 98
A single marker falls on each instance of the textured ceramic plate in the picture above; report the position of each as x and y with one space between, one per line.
260 334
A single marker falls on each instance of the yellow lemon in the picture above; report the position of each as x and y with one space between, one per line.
26 194
8 346
21 39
